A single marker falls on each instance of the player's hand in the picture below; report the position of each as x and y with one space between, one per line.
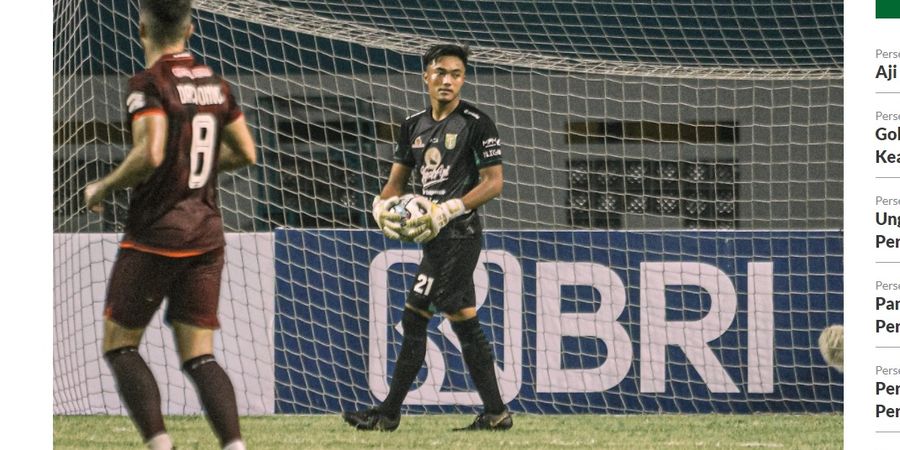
426 227
94 193
387 220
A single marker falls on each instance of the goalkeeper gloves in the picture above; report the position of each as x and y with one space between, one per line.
388 221
425 228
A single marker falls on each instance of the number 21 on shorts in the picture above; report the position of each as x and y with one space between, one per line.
423 284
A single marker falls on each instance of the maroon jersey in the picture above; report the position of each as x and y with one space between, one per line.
175 212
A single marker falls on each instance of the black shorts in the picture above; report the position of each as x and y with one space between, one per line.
444 280
139 281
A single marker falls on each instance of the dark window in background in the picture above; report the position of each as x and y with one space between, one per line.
607 131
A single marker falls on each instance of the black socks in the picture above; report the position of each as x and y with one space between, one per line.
476 352
409 361
138 390
479 359
217 396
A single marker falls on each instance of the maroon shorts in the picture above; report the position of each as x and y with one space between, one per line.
140 280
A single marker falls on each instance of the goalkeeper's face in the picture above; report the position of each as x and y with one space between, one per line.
444 78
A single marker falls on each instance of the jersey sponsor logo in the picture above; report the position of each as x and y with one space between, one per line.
490 148
135 101
432 157
432 170
194 72
201 72
418 143
182 72
450 141
490 142
434 194
209 94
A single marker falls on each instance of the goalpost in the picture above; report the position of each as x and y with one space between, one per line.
668 237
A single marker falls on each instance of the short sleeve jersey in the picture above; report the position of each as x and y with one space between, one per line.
175 212
449 153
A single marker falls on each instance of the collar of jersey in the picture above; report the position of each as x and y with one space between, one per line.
458 109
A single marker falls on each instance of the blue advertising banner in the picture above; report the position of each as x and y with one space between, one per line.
580 321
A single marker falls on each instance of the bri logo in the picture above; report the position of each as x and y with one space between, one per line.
657 331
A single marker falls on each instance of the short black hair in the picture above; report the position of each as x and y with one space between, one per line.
441 50
166 19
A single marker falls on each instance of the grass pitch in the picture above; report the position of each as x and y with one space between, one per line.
670 431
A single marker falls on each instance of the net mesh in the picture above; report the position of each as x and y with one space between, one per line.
667 238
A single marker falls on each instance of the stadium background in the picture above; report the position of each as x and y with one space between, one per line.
754 93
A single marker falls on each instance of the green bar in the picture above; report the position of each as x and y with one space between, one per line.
887 9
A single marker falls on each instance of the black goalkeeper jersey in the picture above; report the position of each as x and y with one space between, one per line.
448 154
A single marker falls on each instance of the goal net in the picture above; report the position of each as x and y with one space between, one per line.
668 237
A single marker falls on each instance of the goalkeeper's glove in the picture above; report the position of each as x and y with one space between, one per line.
387 220
426 227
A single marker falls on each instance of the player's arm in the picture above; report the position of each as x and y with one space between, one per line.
149 133
237 148
490 186
387 220
397 180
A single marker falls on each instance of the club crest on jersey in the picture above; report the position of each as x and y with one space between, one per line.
418 143
450 141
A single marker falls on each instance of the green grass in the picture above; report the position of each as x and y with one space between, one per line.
642 432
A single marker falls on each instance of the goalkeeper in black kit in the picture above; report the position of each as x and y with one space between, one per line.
456 149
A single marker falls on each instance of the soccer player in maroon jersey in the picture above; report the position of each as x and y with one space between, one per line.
456 149
185 128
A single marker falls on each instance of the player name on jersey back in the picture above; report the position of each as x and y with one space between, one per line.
208 94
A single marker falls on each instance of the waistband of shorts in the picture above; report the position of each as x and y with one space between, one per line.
169 253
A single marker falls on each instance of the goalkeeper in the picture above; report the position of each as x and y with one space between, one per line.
456 150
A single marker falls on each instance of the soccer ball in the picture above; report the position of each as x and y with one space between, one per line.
831 345
407 209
